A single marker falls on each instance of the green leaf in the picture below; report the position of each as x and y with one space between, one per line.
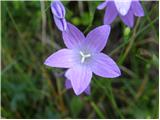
76 106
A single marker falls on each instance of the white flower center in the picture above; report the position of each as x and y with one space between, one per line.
84 56
122 11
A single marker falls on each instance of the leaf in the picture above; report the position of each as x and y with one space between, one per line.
76 106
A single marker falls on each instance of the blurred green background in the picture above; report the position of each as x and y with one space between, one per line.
29 89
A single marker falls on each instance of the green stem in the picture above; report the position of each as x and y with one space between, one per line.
131 41
97 110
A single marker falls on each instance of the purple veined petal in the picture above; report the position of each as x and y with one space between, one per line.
123 6
137 9
63 58
60 23
102 5
97 38
104 66
58 9
128 19
68 86
110 13
80 77
72 37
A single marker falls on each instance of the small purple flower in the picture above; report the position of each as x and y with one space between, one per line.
126 9
58 11
83 57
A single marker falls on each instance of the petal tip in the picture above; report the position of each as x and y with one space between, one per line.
102 5
131 25
141 15
118 73
45 62
115 75
99 8
77 92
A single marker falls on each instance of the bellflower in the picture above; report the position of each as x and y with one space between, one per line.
58 11
126 9
83 57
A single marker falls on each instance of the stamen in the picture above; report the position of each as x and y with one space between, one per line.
82 60
88 55
81 53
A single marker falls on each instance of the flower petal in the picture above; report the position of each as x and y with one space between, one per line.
102 5
128 19
110 13
58 9
80 77
68 86
61 23
137 9
61 59
123 6
88 90
97 38
72 37
104 66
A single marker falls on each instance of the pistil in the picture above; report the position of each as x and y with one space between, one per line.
84 56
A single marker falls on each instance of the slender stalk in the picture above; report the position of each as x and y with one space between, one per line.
81 9
60 97
92 13
109 93
131 41
99 113
43 21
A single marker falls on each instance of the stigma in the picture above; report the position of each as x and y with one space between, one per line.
84 56
122 11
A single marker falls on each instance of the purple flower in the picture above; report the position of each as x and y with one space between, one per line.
58 11
83 57
126 9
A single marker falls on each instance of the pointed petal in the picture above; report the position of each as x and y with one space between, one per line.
123 6
128 19
102 5
137 9
110 13
97 38
80 77
68 84
72 37
60 23
104 66
58 9
61 59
